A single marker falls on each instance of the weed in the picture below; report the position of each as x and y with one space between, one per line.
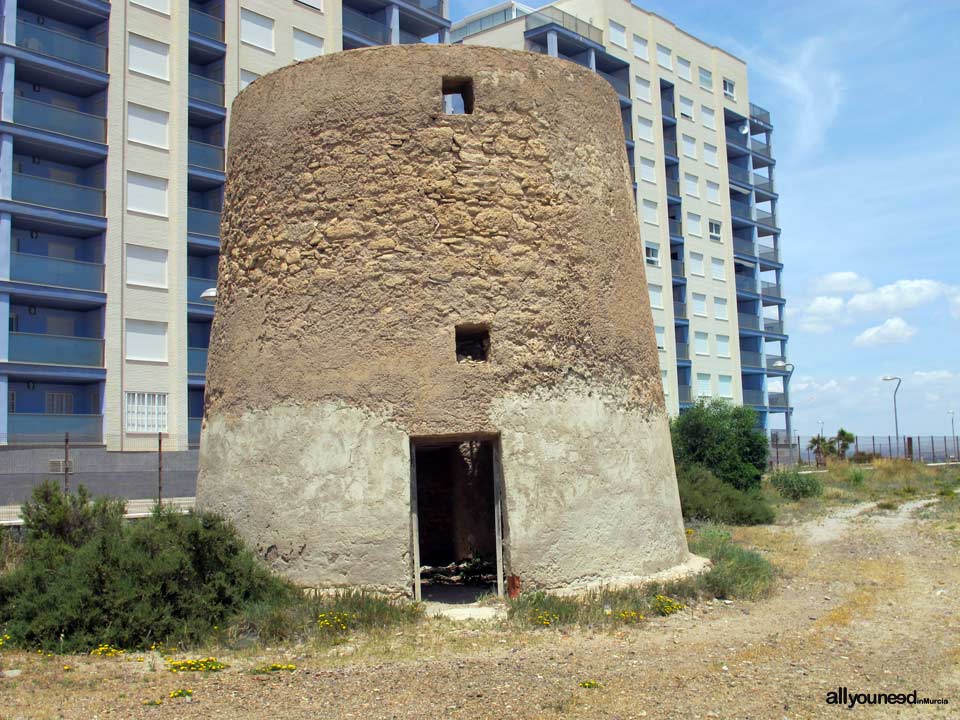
664 605
208 664
794 485
181 692
272 668
737 572
590 684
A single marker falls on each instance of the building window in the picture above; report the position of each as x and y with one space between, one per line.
652 254
729 88
706 79
690 147
725 386
618 34
58 403
640 48
472 342
645 129
701 343
650 212
713 192
664 57
149 57
683 68
686 108
709 117
663 381
656 296
703 384
710 155
659 332
694 226
161 6
714 227
315 4
146 412
691 184
696 264
146 266
643 88
148 126
256 29
146 340
723 346
146 194
305 45
717 266
457 95
700 304
720 308
247 77
648 170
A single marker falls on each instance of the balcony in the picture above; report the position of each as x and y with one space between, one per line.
676 229
748 358
765 217
739 174
195 286
366 27
56 349
553 16
206 25
747 283
203 222
748 322
196 361
752 397
673 187
206 156
56 194
740 210
193 430
770 254
23 428
683 351
777 399
685 393
772 361
58 45
668 109
44 270
770 289
735 137
679 310
744 247
677 268
763 183
758 113
431 6
408 38
761 148
59 120
204 89
771 325
621 85
670 148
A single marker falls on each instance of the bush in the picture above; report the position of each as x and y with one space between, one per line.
736 572
705 497
855 475
723 438
794 485
88 578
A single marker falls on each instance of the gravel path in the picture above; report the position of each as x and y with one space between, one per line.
874 607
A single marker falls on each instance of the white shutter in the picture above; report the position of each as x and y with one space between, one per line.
256 29
146 266
146 340
148 126
147 194
150 57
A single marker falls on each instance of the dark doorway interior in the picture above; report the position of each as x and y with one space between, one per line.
456 520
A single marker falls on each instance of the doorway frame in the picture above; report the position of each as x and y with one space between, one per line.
445 440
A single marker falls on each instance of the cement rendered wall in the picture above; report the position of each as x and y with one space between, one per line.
361 225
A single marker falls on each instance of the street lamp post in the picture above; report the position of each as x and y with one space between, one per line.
953 433
896 421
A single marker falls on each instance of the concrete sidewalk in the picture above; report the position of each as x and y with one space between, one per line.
10 514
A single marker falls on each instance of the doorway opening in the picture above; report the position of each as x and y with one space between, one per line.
455 501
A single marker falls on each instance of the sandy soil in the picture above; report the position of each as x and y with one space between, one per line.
868 600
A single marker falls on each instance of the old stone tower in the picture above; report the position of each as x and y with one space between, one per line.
433 338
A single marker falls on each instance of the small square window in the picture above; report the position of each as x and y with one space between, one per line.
729 88
715 231
652 253
473 342
457 96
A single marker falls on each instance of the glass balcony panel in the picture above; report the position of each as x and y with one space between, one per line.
56 194
407 38
206 25
670 147
204 155
748 358
761 148
773 326
205 89
676 266
740 210
752 397
758 113
195 286
59 120
748 322
770 288
193 430
42 427
735 137
59 45
683 351
668 108
673 187
761 182
553 16
203 222
772 361
621 85
431 6
744 246
676 228
746 282
767 218
196 361
365 26
739 174
679 310
56 349
43 270
685 393
777 399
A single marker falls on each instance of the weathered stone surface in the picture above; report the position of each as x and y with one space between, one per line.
361 224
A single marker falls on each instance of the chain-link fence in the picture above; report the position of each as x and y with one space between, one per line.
814 450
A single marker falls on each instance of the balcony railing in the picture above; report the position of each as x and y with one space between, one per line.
196 361
408 38
758 113
670 148
770 288
431 6
49 428
679 309
365 26
768 253
744 246
685 393
673 187
683 351
752 397
204 155
203 222
204 89
772 361
553 16
740 210
56 194
748 322
763 183
195 286
668 109
56 349
735 137
676 229
677 268
206 25
61 46
193 430
747 283
748 358
739 174
771 325
765 217
59 120
777 399
44 270
621 85
760 148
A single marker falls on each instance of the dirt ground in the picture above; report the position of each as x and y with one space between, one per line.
868 599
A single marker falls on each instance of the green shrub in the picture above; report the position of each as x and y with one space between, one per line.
724 438
704 497
794 485
736 572
855 475
70 518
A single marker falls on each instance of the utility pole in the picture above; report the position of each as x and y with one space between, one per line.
66 463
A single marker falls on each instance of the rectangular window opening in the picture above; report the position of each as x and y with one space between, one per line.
457 96
473 343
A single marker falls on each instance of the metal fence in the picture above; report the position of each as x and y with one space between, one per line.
865 448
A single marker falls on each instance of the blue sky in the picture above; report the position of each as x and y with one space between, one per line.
865 99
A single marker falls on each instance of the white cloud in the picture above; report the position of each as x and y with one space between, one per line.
892 331
898 296
933 376
843 282
821 314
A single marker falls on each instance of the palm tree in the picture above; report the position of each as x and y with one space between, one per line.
842 442
820 446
